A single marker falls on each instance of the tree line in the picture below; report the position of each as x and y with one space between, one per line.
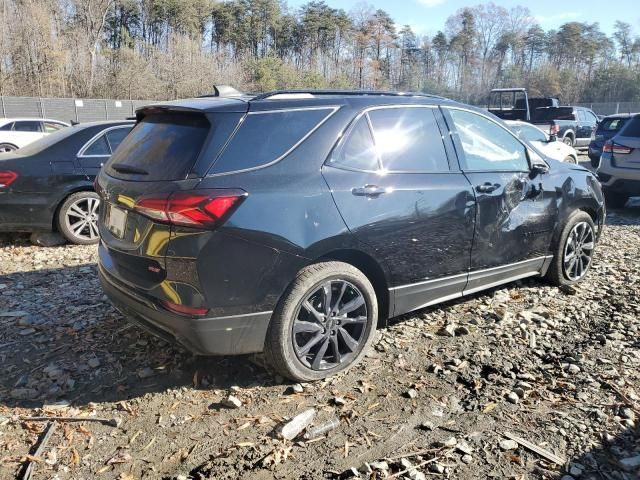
166 49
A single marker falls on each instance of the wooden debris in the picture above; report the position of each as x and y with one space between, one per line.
536 449
112 422
28 471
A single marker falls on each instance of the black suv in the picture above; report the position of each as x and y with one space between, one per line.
294 222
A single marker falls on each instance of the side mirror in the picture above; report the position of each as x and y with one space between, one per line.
539 168
553 138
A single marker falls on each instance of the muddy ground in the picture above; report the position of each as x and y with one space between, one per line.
557 368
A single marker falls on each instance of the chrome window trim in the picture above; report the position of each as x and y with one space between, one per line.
81 154
347 132
333 109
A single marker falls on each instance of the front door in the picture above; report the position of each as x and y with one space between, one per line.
508 197
397 193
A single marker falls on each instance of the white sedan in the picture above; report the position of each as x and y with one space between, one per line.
15 133
550 146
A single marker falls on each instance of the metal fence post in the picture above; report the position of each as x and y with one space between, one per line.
4 113
75 108
106 111
42 110
617 107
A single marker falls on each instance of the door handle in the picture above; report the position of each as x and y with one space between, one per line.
487 187
368 191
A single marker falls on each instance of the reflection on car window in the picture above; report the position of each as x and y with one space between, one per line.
612 124
408 140
358 151
98 147
486 145
531 134
632 128
116 136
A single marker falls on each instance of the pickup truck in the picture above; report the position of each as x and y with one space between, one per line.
574 126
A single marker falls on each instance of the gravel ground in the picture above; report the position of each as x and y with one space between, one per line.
443 393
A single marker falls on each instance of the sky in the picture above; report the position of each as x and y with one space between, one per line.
426 17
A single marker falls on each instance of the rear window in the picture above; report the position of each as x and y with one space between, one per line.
165 146
265 137
612 124
632 128
548 114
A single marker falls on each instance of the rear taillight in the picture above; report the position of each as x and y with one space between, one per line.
554 129
612 147
199 208
7 178
184 310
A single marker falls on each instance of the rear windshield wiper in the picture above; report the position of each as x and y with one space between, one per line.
122 168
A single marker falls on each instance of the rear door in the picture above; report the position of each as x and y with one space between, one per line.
511 235
26 131
393 184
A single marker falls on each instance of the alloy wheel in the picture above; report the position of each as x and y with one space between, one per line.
330 325
578 251
81 218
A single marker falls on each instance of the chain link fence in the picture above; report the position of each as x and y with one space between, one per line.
69 109
610 108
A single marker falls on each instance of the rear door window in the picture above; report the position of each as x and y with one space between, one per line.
408 140
116 136
27 126
50 127
266 137
161 147
99 148
358 152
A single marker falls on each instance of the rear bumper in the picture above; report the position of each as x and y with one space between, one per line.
223 335
620 180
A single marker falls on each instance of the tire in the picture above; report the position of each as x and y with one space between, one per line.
561 269
615 200
77 228
289 353
595 163
568 140
571 159
7 147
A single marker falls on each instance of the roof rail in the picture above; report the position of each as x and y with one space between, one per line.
266 95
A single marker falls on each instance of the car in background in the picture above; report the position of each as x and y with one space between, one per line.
608 127
291 223
619 169
547 144
48 185
16 133
574 126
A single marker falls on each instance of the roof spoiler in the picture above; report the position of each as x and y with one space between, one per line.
223 91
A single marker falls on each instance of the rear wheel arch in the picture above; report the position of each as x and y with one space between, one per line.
8 144
372 270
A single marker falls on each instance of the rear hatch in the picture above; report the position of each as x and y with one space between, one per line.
625 147
607 129
152 176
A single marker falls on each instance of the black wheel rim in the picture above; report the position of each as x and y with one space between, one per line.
330 325
578 251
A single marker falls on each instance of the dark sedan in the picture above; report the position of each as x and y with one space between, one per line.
607 128
48 185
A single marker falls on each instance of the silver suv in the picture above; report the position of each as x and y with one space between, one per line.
619 170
